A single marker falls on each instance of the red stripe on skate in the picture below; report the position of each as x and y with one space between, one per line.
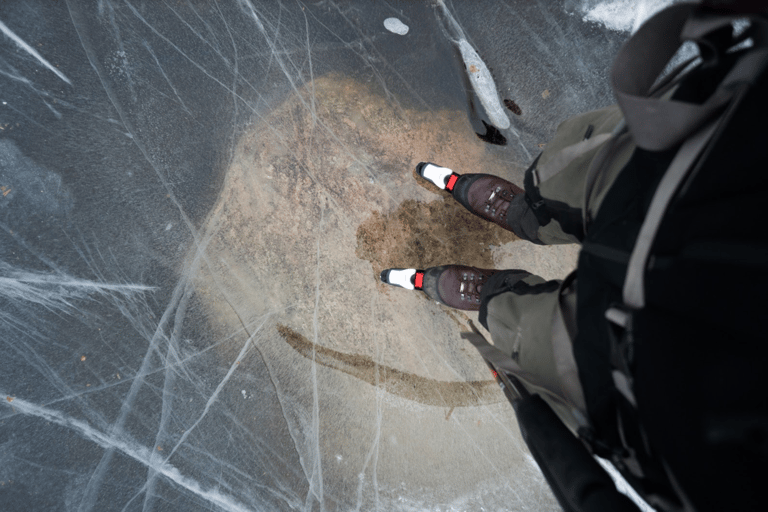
419 281
451 182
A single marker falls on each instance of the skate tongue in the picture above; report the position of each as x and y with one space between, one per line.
402 277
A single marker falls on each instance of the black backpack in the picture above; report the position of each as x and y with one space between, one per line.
672 283
673 273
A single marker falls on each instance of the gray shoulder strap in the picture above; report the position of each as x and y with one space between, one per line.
634 292
657 124
634 288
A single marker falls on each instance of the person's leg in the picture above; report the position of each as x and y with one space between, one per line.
522 312
556 182
517 308
455 286
549 210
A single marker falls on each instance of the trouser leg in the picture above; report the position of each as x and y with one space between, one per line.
533 320
519 310
550 211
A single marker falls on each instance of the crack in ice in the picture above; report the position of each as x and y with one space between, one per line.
24 46
138 453
374 450
316 482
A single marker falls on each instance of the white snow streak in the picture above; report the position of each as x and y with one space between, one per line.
479 75
483 84
623 15
24 46
57 292
136 452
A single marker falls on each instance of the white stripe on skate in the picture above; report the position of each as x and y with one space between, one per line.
436 175
402 277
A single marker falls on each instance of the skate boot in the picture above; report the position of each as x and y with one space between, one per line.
485 195
456 286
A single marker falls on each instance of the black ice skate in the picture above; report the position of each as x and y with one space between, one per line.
456 286
485 195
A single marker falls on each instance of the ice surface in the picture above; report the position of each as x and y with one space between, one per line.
196 200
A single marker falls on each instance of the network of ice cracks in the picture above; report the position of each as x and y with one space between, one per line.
136 374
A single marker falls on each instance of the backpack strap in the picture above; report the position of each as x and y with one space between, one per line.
633 292
657 124
618 140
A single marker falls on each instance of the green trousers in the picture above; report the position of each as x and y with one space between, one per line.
533 320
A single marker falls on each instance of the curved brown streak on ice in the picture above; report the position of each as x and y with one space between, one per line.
405 385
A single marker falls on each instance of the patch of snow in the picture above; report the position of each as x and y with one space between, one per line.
623 15
396 26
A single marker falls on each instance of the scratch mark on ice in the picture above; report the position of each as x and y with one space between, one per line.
167 79
373 453
218 390
57 292
24 46
140 454
316 483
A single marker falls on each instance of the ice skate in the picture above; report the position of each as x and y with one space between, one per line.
456 286
485 195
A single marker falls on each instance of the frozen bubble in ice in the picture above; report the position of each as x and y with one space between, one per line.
396 26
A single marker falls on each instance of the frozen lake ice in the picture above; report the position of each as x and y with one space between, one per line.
196 199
